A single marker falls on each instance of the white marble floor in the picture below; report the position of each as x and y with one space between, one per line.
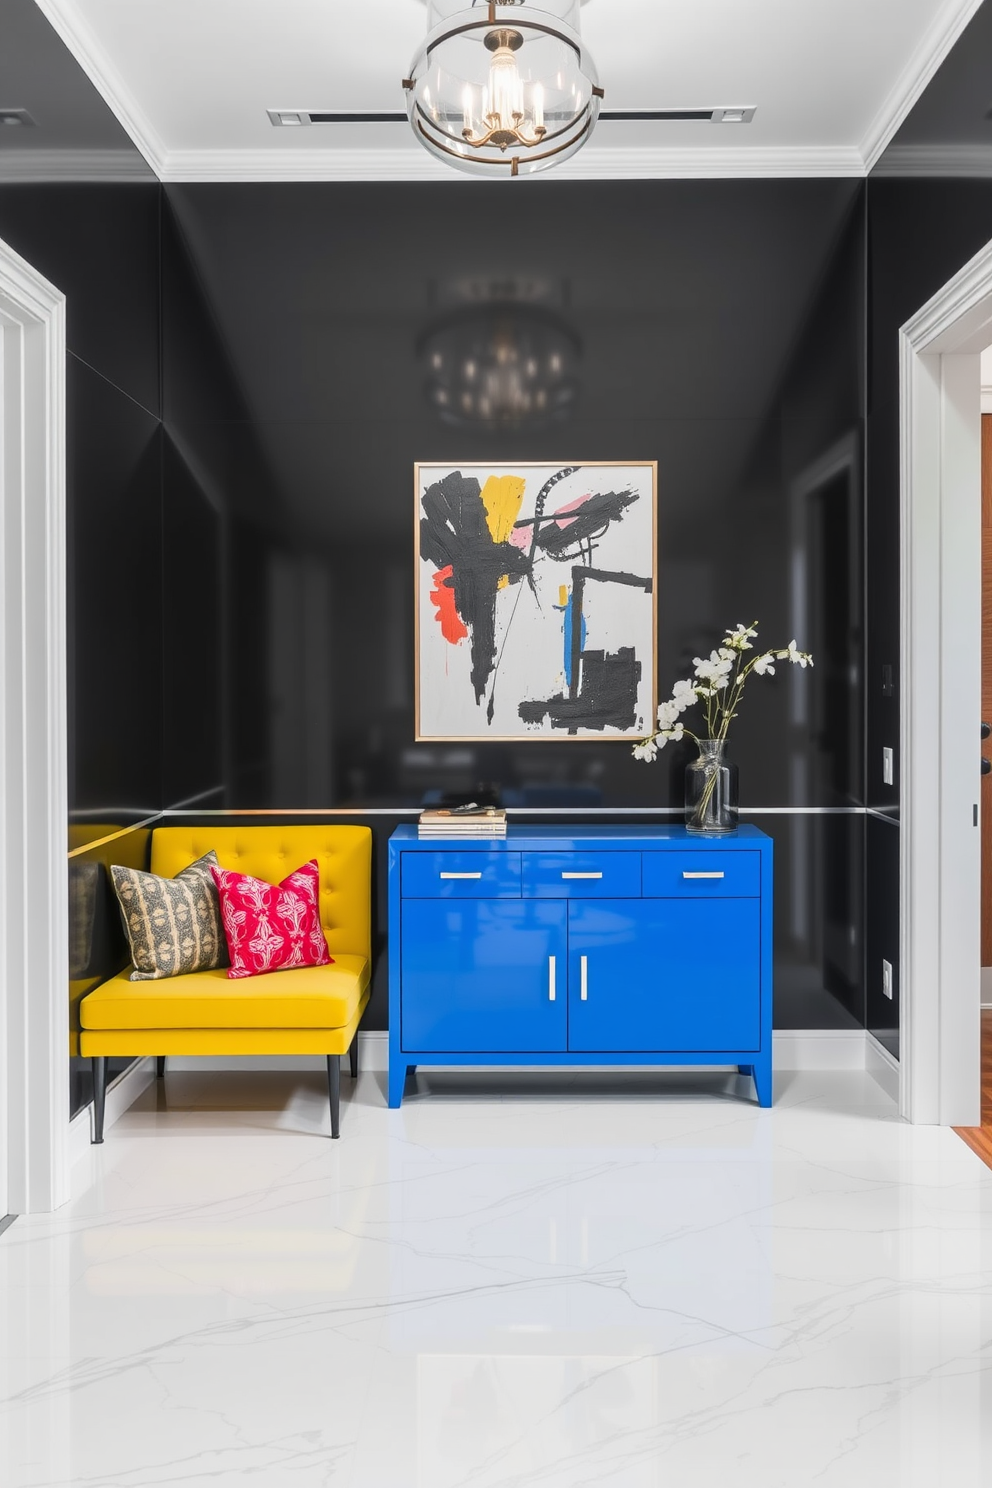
515 1280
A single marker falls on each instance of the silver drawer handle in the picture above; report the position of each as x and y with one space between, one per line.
582 875
701 875
461 875
584 978
551 978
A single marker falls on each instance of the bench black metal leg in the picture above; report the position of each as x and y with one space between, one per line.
353 1057
334 1088
99 1097
160 1066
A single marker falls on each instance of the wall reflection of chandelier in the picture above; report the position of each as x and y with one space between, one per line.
503 89
502 364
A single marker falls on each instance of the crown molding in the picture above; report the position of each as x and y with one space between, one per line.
26 166
106 79
972 162
591 164
927 56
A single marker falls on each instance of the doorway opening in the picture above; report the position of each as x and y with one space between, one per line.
940 736
34 1033
979 1138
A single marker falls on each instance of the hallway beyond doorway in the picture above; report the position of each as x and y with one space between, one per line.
979 1138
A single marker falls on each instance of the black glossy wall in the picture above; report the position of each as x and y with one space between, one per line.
99 244
741 372
241 515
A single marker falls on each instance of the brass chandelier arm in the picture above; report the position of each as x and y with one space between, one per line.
514 161
498 134
570 129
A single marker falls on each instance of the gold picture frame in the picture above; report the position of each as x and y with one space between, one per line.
484 667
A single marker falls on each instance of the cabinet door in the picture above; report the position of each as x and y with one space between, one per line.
656 974
481 975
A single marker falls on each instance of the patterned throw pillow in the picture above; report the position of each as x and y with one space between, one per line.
172 924
271 927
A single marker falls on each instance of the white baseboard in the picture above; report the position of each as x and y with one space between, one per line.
882 1066
819 1048
121 1093
794 1049
373 1054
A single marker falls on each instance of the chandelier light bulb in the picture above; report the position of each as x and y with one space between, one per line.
503 89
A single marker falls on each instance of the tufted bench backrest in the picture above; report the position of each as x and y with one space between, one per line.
344 855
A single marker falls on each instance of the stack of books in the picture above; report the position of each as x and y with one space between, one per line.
462 821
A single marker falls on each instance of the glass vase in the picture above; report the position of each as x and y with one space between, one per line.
711 790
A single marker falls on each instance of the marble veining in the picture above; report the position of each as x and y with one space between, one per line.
551 1279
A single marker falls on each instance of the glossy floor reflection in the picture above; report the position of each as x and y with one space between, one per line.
514 1280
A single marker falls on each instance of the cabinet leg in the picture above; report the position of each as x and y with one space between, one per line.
160 1066
397 1080
353 1058
745 1069
763 1083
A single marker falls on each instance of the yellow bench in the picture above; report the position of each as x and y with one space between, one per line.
309 1010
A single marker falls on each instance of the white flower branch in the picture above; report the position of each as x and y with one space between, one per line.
717 687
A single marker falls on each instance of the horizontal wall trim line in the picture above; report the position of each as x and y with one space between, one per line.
114 836
414 811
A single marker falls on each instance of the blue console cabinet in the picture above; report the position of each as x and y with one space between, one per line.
602 945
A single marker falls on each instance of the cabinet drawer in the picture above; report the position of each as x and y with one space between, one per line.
699 875
460 875
581 875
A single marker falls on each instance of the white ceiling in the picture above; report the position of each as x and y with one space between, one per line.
191 81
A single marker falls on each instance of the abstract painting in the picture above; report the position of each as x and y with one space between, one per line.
535 600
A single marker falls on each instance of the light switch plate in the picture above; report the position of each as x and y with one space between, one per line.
888 767
887 979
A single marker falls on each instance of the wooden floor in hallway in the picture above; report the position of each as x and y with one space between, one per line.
979 1138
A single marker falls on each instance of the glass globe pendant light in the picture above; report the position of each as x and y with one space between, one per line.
503 89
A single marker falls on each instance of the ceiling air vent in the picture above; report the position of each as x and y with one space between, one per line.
702 115
288 118
293 118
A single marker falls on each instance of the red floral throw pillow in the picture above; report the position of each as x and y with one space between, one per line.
271 927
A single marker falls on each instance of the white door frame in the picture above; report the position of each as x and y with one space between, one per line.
34 1001
940 748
